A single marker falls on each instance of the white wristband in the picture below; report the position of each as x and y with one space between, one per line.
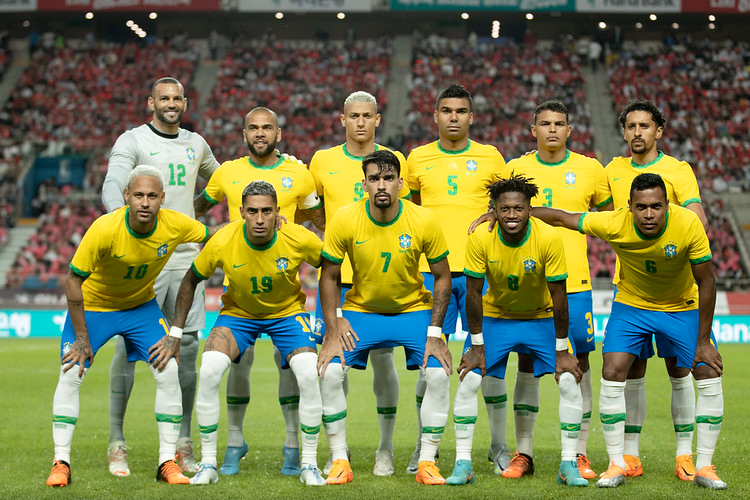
561 344
434 331
339 314
175 331
477 339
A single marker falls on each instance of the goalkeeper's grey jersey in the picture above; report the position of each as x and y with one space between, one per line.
181 157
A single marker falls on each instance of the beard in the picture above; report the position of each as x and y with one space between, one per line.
160 114
383 203
262 153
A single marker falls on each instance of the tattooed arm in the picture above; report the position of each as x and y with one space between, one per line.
441 294
80 351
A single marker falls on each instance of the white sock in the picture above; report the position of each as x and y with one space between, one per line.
434 411
334 410
571 413
168 409
289 400
588 404
525 408
709 414
612 415
465 409
683 413
65 409
121 378
188 379
496 402
420 390
635 404
213 366
238 396
385 387
304 366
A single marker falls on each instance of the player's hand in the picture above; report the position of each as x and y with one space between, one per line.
280 221
473 358
289 158
566 362
332 347
437 348
486 217
346 334
706 352
78 353
163 351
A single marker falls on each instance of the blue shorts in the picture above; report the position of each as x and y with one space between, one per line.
377 331
141 327
581 317
320 325
287 334
629 328
457 304
647 351
535 337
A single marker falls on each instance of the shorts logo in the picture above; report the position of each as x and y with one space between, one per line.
319 325
66 348
529 266
286 183
282 263
471 166
191 153
570 179
670 250
404 241
162 250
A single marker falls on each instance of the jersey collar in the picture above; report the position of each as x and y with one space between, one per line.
567 155
658 157
139 235
160 133
656 237
256 247
265 167
349 155
520 243
468 145
384 224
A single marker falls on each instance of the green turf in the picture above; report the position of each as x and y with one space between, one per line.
29 374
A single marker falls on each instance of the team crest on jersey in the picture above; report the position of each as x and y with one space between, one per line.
286 183
282 264
570 179
670 250
190 150
319 325
471 166
66 347
529 265
162 250
404 241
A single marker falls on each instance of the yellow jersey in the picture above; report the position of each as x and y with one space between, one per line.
263 282
517 274
385 257
453 184
120 265
655 273
294 185
575 184
338 180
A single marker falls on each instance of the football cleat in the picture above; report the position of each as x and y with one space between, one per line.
634 468
206 474
341 472
613 477
570 475
60 474
117 456
520 465
184 456
291 461
232 457
429 474
383 464
310 476
684 468
462 473
170 472
706 477
499 456
584 467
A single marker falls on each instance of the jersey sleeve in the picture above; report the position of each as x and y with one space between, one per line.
208 162
596 223
555 268
206 263
122 159
336 238
405 192
411 178
435 248
316 164
700 249
476 263
686 186
602 194
214 192
500 170
312 248
192 230
94 245
309 198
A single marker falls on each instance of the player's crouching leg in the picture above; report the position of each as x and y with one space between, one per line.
434 416
334 420
168 408
304 366
65 408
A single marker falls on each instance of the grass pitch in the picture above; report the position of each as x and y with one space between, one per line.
29 374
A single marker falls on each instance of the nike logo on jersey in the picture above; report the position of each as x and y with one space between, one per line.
360 242
616 179
236 182
119 256
152 153
235 266
430 167
493 261
334 172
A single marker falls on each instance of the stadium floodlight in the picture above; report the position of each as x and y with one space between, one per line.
279 15
464 15
602 25
142 34
135 27
341 15
129 23
26 23
711 26
153 15
89 15
711 17
529 16
675 26
638 25
495 29
652 17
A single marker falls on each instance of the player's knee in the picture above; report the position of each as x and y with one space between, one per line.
333 379
168 377
469 386
70 378
436 377
569 389
213 366
304 366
